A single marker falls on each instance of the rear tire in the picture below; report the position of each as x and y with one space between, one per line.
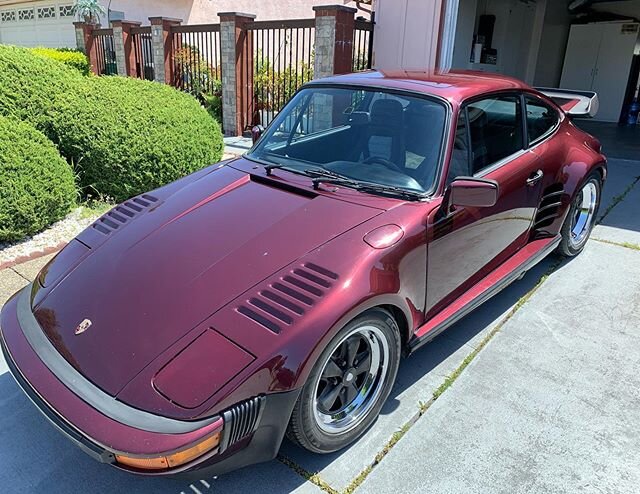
348 384
581 217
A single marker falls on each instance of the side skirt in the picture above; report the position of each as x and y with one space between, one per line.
526 258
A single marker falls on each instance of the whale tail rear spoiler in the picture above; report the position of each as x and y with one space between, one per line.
582 104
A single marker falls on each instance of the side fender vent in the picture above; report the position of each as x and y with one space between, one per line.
549 206
123 213
286 299
240 421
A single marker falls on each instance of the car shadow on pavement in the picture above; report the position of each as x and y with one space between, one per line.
465 332
436 357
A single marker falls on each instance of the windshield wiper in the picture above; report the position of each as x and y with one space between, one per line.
369 187
308 172
322 175
281 166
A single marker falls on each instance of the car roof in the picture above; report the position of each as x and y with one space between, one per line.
454 86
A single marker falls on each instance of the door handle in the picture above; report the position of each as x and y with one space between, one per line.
534 178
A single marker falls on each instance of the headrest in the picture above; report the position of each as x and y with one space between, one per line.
359 118
422 114
386 112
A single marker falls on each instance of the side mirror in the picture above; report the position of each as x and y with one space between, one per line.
473 192
256 133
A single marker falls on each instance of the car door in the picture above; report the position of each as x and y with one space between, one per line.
465 244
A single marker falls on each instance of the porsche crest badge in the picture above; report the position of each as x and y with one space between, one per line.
83 326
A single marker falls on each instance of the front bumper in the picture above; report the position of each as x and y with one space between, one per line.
102 437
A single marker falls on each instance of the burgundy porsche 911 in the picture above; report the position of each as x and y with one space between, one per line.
195 325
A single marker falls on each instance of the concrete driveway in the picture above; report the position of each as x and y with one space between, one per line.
536 391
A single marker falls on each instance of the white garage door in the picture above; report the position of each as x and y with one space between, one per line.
38 24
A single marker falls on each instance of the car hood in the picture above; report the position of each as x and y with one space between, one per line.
130 287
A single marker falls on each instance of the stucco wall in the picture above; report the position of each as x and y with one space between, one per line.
206 11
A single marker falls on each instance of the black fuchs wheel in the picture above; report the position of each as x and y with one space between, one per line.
348 384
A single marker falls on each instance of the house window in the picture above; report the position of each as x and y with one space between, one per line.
65 10
8 16
25 15
46 12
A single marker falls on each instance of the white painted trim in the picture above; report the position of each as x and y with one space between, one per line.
448 34
534 43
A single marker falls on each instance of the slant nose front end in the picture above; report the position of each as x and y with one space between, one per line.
126 437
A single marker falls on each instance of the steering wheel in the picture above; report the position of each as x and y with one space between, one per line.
384 162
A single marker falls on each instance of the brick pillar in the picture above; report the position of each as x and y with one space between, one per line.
85 42
237 72
334 40
123 44
162 47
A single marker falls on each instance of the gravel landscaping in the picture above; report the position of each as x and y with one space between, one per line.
55 236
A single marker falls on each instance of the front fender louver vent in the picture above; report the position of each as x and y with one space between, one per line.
123 213
240 421
287 298
549 206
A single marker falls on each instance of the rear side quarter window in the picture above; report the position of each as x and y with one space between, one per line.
542 119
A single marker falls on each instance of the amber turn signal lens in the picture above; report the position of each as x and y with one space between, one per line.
173 460
143 463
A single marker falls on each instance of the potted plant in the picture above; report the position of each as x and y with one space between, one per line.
89 10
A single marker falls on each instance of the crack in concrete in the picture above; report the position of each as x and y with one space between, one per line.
618 199
21 275
625 245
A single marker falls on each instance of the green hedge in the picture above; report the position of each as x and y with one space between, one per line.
36 185
31 86
127 136
72 58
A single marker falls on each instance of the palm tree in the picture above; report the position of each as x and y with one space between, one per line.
90 10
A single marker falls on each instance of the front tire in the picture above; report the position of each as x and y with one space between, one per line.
348 384
580 220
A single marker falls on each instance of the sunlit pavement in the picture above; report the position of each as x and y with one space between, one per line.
550 404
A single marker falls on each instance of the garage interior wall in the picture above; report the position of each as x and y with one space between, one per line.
407 34
553 44
516 36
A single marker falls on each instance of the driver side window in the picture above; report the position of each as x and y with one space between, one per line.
488 131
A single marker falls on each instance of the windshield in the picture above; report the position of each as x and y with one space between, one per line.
364 135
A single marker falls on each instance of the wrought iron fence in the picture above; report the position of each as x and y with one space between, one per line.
143 52
362 45
278 60
105 52
196 59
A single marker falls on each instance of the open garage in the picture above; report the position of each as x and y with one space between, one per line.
584 44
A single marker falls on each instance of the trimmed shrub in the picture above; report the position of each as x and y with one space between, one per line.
31 85
72 58
127 136
213 104
36 185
